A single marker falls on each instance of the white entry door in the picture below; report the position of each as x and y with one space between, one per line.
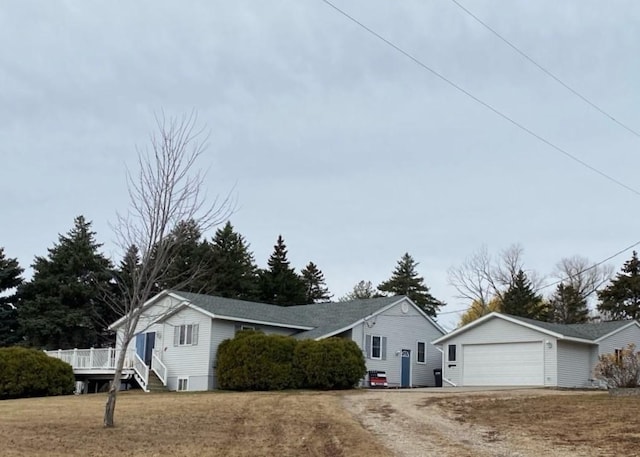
508 364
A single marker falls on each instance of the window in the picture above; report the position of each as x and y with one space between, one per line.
421 353
376 347
183 384
618 353
452 353
247 327
186 335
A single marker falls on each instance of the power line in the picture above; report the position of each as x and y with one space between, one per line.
546 286
545 70
480 101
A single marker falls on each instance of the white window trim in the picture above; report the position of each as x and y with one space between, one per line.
380 347
186 382
194 335
418 343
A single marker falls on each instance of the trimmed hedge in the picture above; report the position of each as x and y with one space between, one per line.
31 373
333 363
255 361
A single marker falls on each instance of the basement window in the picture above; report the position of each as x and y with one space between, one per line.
183 384
452 353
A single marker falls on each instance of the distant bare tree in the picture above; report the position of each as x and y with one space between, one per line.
482 279
167 189
582 275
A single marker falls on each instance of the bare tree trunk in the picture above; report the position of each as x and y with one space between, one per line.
167 190
110 407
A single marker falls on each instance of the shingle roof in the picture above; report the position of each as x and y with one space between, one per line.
589 331
321 318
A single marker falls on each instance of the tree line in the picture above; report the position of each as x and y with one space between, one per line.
503 284
68 302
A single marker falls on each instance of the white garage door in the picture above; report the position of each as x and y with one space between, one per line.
512 364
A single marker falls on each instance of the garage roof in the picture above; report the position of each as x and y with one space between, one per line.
591 332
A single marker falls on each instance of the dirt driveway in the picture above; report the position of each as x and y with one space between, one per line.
428 422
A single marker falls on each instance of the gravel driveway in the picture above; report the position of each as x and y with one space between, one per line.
411 423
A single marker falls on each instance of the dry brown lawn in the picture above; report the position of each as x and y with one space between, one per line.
185 424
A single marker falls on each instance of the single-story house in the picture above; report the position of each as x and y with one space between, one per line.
179 333
504 350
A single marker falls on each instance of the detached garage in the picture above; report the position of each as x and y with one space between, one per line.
504 350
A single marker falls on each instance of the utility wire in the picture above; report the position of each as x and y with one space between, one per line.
555 283
480 101
545 70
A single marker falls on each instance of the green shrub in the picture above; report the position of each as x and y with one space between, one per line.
621 369
255 361
333 363
31 373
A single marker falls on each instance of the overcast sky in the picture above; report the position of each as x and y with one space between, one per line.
333 139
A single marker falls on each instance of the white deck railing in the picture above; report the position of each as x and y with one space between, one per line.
92 359
159 368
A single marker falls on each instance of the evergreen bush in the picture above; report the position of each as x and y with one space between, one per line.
332 363
31 373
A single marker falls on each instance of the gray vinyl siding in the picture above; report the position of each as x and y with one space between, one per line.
401 331
620 340
497 330
574 364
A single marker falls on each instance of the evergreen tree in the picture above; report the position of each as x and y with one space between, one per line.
521 300
234 273
361 291
405 281
567 306
190 267
279 283
315 285
10 279
621 298
64 306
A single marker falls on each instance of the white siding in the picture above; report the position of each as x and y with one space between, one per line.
498 330
574 364
187 361
402 331
620 340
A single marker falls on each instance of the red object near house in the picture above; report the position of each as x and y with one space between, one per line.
378 379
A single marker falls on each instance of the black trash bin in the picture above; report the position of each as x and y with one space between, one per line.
437 373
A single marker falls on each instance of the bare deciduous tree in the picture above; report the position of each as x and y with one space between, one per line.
167 189
582 275
482 279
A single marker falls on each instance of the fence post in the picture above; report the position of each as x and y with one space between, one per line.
74 363
91 358
111 358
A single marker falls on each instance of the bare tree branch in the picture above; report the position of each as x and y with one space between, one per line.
166 190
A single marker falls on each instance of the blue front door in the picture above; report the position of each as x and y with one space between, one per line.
405 378
145 342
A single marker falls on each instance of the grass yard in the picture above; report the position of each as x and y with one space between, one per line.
185 424
577 424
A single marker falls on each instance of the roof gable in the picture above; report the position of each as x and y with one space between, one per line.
589 333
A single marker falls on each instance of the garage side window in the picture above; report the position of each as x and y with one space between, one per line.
376 347
452 353
421 353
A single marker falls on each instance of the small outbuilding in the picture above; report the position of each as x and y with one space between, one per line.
504 350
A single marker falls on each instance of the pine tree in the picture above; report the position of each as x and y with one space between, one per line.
567 306
315 285
521 300
234 273
64 306
279 283
405 281
10 279
621 298
190 267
